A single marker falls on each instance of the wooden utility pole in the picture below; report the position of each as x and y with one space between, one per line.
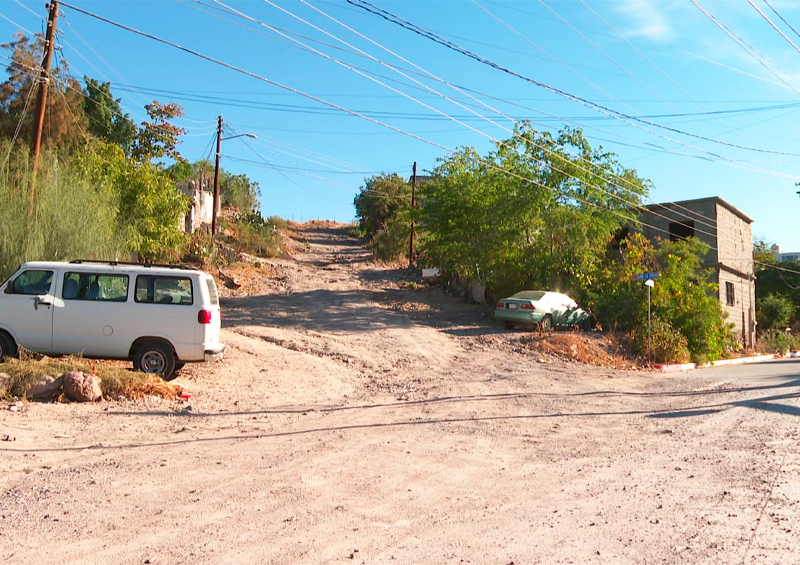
41 104
216 179
413 205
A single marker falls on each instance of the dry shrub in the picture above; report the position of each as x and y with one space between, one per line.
603 350
115 381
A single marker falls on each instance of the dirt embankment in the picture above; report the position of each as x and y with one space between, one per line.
355 421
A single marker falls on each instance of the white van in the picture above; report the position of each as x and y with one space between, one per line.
159 316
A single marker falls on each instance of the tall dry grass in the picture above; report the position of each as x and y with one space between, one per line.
71 219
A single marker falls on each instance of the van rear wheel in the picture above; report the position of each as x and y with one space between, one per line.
7 347
155 358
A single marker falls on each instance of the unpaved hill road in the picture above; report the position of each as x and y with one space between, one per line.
355 422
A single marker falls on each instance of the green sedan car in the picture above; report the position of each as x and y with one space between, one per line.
543 309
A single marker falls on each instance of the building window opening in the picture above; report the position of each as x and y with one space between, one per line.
681 230
730 299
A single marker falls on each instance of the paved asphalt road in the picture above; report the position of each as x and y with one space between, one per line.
778 373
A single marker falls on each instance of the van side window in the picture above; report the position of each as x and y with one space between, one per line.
157 289
95 286
31 282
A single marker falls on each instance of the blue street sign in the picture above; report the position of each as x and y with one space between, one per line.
646 276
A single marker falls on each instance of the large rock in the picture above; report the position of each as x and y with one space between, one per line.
82 387
45 388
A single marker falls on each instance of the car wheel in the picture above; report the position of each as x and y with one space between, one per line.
509 325
547 323
7 347
179 366
155 358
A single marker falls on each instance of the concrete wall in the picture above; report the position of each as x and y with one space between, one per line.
735 241
703 213
742 313
201 209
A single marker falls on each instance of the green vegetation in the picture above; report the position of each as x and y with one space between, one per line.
774 311
548 211
254 235
105 187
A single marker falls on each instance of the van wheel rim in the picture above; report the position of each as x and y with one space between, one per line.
153 362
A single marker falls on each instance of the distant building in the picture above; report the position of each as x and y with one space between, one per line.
781 257
728 233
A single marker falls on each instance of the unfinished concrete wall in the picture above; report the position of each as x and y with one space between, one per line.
201 208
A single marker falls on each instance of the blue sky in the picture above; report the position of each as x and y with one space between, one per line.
642 58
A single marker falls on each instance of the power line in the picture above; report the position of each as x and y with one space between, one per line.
743 45
782 18
771 23
12 22
388 16
591 172
488 164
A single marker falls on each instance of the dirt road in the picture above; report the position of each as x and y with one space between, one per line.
354 421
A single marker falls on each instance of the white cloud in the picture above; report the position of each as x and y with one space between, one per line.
647 19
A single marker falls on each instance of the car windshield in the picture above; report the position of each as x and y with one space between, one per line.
529 295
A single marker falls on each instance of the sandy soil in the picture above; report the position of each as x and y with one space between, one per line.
357 421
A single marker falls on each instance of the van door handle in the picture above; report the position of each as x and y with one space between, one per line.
39 302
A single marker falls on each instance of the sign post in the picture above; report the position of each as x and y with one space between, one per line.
649 281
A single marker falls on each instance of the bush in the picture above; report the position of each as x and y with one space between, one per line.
667 344
776 341
278 222
391 243
255 235
774 311
199 248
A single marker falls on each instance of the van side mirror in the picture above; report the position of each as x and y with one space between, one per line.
10 287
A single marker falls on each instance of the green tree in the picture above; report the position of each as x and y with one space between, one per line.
683 301
64 118
379 200
150 208
383 207
158 137
774 312
238 191
106 119
537 211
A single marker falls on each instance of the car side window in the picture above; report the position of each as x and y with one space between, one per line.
95 286
32 282
162 289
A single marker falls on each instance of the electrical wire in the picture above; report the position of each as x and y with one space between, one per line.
275 83
560 63
743 45
12 22
782 18
771 23
630 120
377 122
493 139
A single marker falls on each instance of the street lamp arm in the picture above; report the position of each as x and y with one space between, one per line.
250 135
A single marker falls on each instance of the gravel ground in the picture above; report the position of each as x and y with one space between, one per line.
354 420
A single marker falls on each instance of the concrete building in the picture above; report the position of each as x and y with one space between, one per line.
201 208
727 231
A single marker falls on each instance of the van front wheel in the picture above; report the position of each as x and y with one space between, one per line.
155 358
